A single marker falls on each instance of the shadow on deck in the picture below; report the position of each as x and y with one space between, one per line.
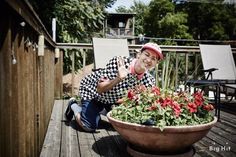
65 139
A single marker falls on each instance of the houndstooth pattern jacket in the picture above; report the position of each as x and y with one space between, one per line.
88 86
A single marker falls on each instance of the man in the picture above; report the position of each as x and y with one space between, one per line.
105 87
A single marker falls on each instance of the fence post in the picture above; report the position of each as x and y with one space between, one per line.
73 73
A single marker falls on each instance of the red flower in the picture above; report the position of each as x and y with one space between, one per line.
208 107
192 107
198 102
165 102
176 107
177 112
198 98
131 95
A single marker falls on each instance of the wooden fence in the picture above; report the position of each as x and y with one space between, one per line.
29 83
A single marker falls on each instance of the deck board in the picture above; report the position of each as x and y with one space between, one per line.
52 142
88 145
67 140
119 142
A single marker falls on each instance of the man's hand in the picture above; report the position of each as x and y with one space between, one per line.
120 101
105 84
122 71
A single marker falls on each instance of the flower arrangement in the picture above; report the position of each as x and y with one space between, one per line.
159 107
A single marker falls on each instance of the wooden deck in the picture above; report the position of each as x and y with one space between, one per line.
66 140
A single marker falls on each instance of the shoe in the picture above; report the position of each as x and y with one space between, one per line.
69 113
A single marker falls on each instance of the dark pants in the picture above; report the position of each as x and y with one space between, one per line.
90 114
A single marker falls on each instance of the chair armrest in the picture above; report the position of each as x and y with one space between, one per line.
210 70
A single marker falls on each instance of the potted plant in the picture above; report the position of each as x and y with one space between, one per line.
160 120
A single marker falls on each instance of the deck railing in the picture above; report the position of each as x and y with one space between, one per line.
190 54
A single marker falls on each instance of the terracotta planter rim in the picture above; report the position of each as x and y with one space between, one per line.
175 129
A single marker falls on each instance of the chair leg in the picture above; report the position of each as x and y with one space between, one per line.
216 104
218 101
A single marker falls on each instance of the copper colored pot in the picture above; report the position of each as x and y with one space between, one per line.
151 138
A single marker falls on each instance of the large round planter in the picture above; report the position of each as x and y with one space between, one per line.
151 138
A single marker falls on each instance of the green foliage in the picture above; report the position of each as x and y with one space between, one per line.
123 9
156 11
162 21
105 3
174 26
77 21
68 59
216 21
140 9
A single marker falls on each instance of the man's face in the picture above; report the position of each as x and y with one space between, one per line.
148 59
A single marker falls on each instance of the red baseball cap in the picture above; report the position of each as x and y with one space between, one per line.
154 47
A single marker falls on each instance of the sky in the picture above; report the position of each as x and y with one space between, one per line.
126 3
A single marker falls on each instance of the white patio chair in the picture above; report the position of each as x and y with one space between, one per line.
221 58
105 49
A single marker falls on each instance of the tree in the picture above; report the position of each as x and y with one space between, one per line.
161 21
123 9
216 21
77 21
174 26
140 10
105 3
156 11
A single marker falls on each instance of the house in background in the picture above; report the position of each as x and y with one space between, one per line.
119 25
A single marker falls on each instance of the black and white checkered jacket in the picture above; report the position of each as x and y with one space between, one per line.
88 86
